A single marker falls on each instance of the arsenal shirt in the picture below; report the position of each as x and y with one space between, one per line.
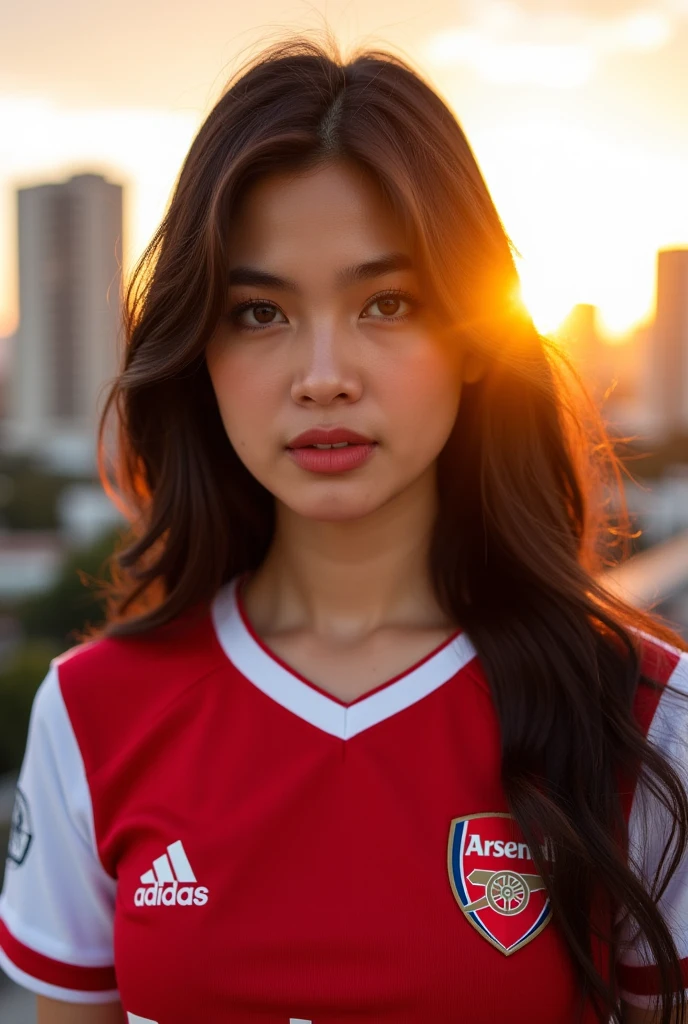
203 834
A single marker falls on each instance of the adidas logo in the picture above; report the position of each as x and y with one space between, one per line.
167 884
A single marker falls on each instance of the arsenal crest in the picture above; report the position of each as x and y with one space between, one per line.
494 881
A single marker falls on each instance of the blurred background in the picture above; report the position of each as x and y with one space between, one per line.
576 111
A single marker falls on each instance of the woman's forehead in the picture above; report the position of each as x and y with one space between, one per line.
332 207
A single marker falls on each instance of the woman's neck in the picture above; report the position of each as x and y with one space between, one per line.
344 580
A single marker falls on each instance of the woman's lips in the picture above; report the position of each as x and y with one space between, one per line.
332 460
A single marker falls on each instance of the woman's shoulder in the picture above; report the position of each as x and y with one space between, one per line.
661 702
178 646
110 687
659 659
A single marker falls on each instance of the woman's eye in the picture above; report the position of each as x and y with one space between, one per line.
388 307
263 314
256 315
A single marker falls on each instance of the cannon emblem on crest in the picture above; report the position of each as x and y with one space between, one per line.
506 892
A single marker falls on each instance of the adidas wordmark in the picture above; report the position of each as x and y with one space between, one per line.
167 884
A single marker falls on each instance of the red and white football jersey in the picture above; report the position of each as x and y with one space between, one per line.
207 836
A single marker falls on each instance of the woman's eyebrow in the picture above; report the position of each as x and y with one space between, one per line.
383 264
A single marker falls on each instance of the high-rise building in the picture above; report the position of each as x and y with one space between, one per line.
667 367
581 338
612 369
67 344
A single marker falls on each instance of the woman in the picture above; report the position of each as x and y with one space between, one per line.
362 738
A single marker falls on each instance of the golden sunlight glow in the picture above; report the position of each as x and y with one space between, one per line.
549 295
547 301
586 230
586 207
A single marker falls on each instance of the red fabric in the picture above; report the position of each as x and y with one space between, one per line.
645 981
325 860
323 889
54 972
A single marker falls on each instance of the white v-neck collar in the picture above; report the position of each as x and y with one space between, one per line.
262 668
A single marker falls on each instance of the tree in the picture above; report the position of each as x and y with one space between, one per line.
19 681
70 603
49 622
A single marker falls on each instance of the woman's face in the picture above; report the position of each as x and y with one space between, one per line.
322 348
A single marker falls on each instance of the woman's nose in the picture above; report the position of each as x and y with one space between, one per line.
325 366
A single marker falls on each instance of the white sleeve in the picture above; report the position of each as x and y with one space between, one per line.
649 829
57 902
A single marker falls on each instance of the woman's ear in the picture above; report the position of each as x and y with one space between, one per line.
474 367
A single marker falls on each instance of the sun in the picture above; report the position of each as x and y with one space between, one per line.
563 192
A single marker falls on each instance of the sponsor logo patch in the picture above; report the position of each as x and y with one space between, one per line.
495 882
21 830
167 884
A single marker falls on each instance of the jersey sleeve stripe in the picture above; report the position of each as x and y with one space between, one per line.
53 972
645 980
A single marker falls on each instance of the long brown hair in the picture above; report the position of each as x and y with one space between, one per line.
523 530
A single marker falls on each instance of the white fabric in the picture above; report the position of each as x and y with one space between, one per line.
322 711
60 901
42 988
649 826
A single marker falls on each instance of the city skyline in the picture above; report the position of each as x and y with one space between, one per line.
66 346
605 334
575 116
67 343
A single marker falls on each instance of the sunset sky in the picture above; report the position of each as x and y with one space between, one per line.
576 113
